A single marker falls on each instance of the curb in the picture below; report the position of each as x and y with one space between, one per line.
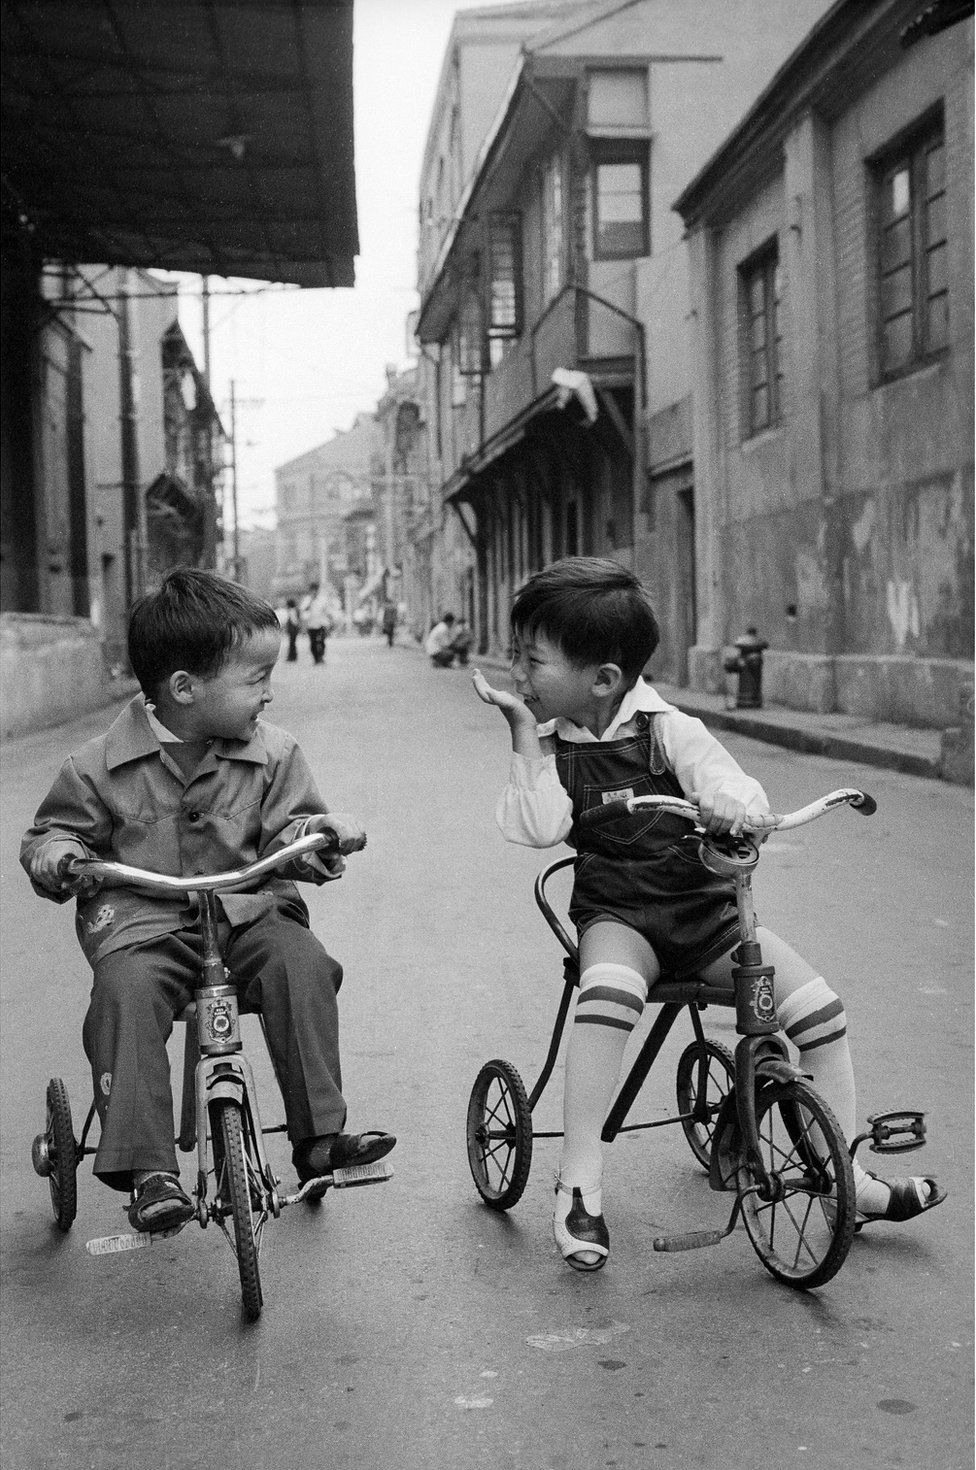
814 742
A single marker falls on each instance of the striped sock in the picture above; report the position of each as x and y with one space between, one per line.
814 1020
611 999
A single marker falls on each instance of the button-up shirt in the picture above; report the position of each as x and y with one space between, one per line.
535 809
126 800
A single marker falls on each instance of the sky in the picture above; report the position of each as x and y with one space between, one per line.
304 363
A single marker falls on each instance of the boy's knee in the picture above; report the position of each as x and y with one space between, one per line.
122 985
813 1016
297 957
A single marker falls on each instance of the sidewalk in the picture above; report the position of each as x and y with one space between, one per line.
841 737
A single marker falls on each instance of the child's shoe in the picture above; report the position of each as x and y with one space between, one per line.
906 1199
159 1204
314 1157
583 1239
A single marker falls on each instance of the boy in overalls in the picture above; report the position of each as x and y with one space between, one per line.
585 729
190 779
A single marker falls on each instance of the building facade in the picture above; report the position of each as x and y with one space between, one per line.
480 59
554 309
831 266
313 494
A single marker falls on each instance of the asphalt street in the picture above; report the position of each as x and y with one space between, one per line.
407 1326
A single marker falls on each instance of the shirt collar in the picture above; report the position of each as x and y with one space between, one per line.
131 737
642 698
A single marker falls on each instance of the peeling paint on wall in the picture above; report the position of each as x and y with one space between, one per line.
863 528
812 593
902 612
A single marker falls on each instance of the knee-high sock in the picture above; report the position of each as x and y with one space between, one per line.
814 1020
610 1002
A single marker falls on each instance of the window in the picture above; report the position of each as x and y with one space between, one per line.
553 227
504 278
912 253
762 357
620 200
618 99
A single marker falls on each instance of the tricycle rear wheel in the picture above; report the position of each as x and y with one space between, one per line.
706 1073
499 1135
55 1155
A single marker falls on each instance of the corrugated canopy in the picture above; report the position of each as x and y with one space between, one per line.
213 136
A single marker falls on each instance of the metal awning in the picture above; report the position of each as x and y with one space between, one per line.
213 136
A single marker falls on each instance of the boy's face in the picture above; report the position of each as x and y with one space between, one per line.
551 686
227 705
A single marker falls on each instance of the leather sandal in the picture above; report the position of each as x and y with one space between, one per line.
159 1204
904 1202
581 1232
317 1156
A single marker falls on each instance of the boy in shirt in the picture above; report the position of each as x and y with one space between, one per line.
586 728
191 779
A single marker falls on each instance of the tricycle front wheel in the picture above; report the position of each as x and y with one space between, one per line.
237 1194
499 1135
803 1226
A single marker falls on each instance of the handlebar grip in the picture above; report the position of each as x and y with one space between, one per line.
595 816
867 806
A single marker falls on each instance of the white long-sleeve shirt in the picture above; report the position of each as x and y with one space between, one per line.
535 808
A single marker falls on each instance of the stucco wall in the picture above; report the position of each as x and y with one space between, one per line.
845 534
51 670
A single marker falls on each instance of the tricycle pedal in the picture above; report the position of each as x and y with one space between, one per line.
894 1133
693 1240
111 1245
356 1174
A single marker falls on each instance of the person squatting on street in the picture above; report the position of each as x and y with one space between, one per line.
586 726
438 645
190 779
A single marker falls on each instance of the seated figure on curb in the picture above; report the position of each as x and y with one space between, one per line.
191 779
585 728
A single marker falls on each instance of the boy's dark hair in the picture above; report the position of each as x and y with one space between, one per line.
593 609
193 620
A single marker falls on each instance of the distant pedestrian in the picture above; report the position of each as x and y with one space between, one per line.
462 641
389 622
293 626
315 616
438 645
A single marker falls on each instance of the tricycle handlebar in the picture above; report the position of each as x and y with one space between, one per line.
116 874
676 806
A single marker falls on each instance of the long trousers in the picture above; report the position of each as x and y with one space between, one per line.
280 969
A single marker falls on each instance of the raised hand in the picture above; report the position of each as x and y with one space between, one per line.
503 699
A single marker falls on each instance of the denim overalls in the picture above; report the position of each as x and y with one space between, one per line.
643 871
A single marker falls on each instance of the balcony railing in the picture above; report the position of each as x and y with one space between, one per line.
555 340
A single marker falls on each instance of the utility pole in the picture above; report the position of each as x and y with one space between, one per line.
210 508
233 479
205 303
133 501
